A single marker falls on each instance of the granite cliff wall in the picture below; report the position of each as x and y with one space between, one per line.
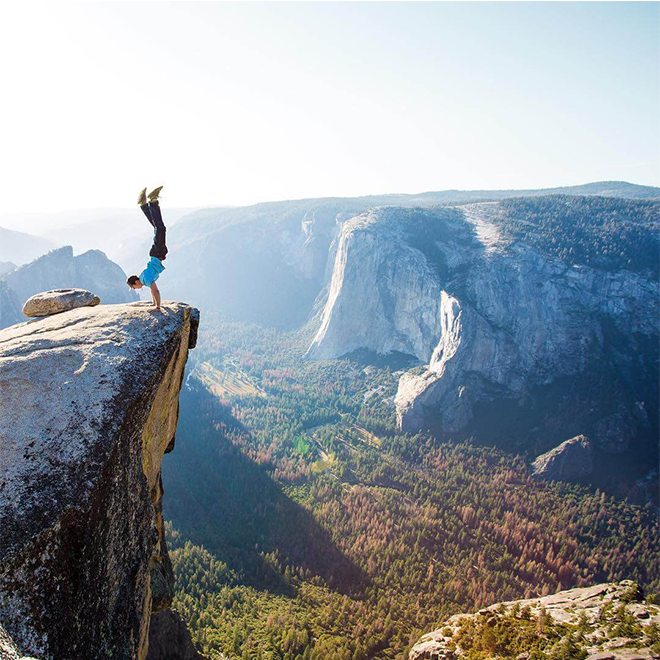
496 323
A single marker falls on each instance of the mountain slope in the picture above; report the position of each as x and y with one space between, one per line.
268 262
513 336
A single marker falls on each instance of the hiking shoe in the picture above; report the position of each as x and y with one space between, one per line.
142 197
153 195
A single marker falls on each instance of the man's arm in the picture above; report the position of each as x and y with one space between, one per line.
155 295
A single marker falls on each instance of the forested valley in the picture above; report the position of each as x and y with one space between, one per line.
303 524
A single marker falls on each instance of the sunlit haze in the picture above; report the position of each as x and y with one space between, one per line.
240 103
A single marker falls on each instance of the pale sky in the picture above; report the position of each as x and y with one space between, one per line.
229 103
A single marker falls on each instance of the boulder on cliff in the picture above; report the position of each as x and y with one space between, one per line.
89 406
572 459
57 301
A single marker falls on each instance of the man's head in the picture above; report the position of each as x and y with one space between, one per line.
134 282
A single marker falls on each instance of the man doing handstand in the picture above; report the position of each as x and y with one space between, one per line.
158 250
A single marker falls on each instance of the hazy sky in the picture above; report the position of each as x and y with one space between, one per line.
237 103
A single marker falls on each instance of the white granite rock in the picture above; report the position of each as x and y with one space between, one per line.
58 300
383 295
501 321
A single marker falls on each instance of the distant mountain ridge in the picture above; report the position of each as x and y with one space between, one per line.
112 230
621 189
268 262
19 248
59 269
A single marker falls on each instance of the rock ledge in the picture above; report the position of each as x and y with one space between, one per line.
88 407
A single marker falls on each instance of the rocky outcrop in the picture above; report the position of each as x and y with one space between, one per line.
88 407
495 321
572 459
57 301
605 622
59 269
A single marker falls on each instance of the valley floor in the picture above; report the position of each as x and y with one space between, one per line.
302 524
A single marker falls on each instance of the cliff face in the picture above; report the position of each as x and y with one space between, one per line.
493 320
59 269
169 638
604 622
383 294
88 407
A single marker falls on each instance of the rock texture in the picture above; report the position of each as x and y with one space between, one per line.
9 650
613 618
383 293
495 321
88 407
572 459
58 300
59 269
169 639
